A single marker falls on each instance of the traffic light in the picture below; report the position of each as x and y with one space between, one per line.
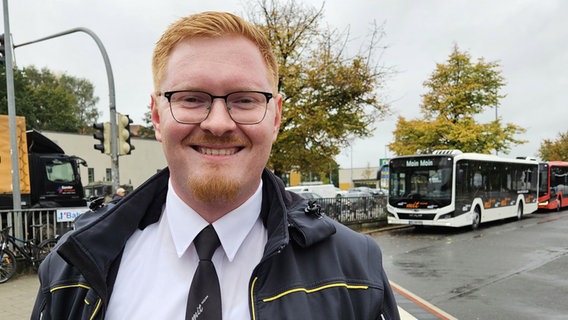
123 123
103 135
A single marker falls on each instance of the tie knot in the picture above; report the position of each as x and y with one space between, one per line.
206 243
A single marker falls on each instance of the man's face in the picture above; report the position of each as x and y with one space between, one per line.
217 160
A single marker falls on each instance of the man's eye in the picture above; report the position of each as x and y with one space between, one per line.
193 99
244 100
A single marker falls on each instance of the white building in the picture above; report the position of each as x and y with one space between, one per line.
145 160
148 158
356 177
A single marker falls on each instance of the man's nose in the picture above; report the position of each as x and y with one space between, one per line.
219 120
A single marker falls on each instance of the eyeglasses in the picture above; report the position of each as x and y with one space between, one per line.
193 107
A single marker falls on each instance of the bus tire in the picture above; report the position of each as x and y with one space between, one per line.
520 211
476 221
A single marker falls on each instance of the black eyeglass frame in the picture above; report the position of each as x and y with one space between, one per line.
267 95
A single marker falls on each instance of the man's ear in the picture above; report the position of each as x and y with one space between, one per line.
277 115
155 114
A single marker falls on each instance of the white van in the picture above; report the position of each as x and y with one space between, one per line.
324 190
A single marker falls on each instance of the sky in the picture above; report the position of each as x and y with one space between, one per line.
528 38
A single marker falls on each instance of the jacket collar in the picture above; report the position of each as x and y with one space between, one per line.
285 216
101 235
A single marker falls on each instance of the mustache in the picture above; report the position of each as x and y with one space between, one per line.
211 139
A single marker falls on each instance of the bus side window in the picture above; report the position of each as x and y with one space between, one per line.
460 180
523 182
477 180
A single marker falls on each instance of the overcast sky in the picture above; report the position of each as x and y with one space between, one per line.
529 38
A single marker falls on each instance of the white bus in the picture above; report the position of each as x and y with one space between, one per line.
454 189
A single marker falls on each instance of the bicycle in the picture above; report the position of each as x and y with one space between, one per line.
31 250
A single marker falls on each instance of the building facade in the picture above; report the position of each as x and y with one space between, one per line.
358 177
145 160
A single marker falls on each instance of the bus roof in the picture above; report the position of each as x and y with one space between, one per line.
458 155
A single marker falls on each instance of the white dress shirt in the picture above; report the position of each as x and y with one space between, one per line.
159 262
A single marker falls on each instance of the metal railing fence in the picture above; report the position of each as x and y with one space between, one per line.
346 210
46 218
354 210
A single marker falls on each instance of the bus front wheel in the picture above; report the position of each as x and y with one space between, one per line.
520 211
476 218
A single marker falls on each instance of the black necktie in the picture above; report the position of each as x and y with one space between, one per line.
204 301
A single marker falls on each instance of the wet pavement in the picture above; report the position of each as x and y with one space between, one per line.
18 294
17 297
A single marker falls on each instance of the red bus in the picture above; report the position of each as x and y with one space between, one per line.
553 190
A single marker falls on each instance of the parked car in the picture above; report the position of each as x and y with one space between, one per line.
356 200
383 192
364 189
324 190
309 195
339 192
328 205
375 192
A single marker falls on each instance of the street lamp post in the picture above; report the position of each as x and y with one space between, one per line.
16 195
112 105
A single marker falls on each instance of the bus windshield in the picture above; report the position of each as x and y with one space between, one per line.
421 182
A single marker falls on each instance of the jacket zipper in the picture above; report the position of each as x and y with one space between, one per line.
255 278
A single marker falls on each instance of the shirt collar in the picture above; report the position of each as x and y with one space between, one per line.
184 223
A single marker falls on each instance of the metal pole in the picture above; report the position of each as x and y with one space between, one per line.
16 196
112 105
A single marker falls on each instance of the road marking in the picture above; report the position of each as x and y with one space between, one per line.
430 308
404 315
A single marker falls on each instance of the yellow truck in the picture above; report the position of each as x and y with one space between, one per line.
48 177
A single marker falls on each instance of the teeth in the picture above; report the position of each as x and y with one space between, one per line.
217 152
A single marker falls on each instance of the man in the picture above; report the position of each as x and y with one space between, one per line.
216 110
118 195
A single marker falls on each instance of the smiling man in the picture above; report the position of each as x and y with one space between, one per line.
216 112
214 235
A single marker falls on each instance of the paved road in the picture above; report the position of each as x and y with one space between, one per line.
17 296
505 270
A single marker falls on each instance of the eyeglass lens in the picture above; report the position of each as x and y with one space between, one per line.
244 107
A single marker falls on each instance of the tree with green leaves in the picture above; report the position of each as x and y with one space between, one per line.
458 91
329 96
556 150
52 102
147 131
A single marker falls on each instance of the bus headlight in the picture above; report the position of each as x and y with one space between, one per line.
445 216
449 215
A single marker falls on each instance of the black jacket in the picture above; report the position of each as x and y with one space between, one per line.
312 267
